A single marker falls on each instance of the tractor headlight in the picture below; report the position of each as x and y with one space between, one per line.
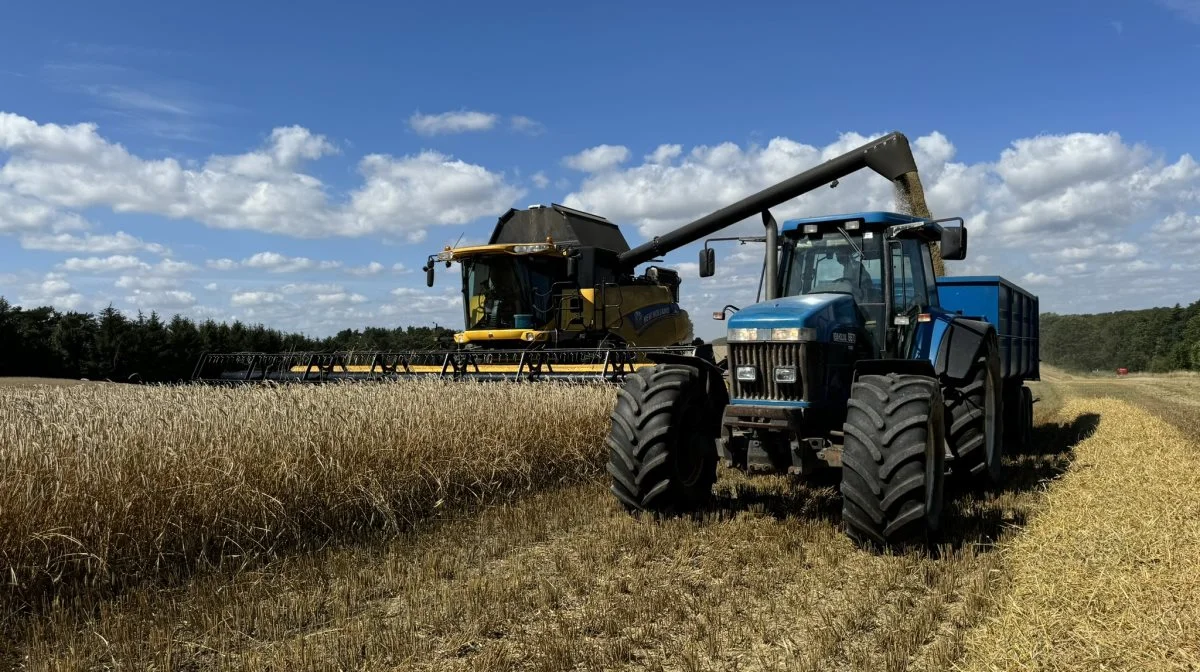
785 374
527 249
747 374
743 334
794 334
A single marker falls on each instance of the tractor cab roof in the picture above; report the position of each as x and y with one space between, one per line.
871 221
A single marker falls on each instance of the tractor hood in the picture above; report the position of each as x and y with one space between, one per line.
821 312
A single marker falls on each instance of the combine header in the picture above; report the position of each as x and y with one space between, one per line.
555 294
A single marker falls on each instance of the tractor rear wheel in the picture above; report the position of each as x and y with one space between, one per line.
893 461
662 453
975 415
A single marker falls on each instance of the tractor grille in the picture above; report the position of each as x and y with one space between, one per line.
765 357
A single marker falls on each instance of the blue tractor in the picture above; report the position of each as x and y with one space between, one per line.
860 356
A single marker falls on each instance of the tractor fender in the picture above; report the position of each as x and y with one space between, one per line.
963 341
879 367
714 381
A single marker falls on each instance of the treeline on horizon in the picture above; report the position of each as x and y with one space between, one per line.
1154 340
111 346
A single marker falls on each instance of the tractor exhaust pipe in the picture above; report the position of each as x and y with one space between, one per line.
772 258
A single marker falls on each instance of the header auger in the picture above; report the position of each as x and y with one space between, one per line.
559 286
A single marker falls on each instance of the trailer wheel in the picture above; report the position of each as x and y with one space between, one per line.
893 460
662 453
1027 407
975 413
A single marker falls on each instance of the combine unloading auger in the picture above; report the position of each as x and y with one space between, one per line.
554 294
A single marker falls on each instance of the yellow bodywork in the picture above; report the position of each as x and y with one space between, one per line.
642 314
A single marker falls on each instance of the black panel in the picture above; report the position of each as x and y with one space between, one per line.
562 224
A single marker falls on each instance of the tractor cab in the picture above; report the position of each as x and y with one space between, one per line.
881 260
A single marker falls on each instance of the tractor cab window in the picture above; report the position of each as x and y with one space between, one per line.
833 263
909 288
504 291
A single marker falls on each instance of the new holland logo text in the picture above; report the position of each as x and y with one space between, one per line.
644 317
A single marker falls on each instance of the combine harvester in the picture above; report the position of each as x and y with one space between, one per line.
860 357
555 295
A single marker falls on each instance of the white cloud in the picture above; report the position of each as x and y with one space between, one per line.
221 264
116 243
161 300
53 170
460 121
664 154
54 290
243 299
122 262
274 262
310 288
147 282
399 267
372 268
339 298
102 265
598 159
211 287
540 180
523 124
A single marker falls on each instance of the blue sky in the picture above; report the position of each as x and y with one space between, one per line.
294 132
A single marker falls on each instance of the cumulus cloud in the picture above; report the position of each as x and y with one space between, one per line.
598 158
54 171
460 121
373 268
121 262
116 243
53 290
540 180
523 124
242 299
161 300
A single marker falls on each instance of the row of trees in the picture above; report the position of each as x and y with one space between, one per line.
1154 339
108 345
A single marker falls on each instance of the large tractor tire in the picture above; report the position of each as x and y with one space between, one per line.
893 461
975 414
662 452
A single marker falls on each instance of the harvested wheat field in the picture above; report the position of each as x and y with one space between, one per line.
363 528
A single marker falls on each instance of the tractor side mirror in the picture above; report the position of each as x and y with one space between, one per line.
708 262
573 268
429 275
719 315
954 243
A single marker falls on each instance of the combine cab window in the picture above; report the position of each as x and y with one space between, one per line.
500 287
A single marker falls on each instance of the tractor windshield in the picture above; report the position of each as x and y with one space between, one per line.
837 263
505 291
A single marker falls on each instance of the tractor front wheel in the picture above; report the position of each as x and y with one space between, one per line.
662 454
893 461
